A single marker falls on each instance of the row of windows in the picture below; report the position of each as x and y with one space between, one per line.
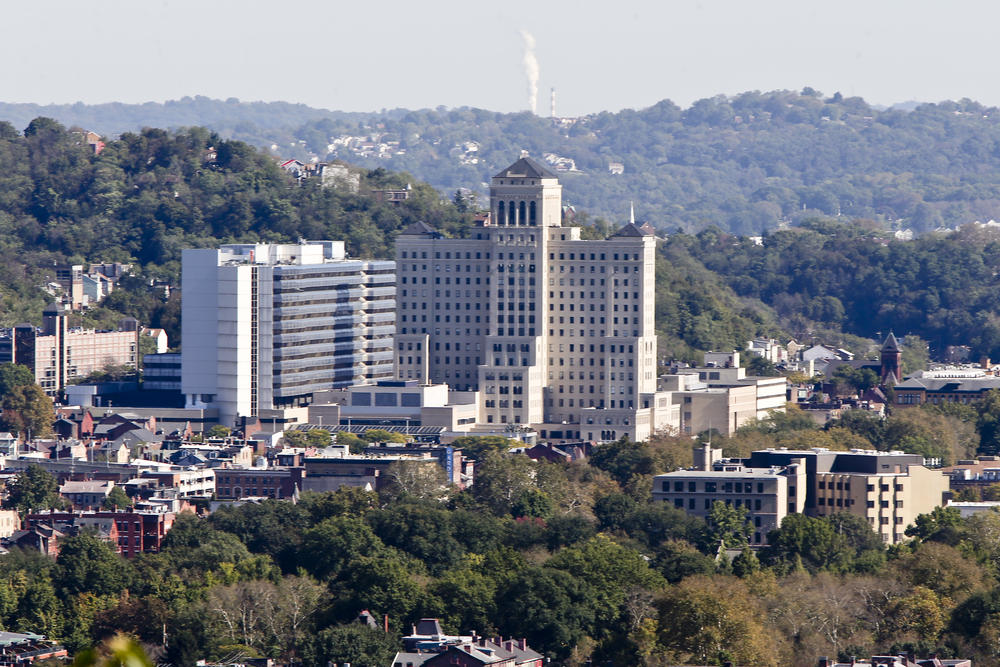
615 333
447 254
490 403
447 360
596 256
593 295
712 487
846 486
469 319
613 403
692 503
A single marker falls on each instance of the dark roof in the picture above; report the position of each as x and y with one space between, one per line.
526 168
419 228
632 229
891 344
428 626
52 309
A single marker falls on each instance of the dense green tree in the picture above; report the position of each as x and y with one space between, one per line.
27 411
355 444
424 531
270 527
677 559
611 571
193 544
729 526
331 545
812 541
354 643
33 489
86 564
475 447
623 458
117 499
14 375
501 479
383 583
942 524
551 608
318 437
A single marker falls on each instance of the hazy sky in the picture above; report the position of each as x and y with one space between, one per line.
362 56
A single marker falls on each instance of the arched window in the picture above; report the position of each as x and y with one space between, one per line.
523 217
500 214
512 213
532 219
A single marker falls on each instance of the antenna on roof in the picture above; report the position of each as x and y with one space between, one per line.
631 214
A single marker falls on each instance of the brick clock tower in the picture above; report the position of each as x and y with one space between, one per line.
892 361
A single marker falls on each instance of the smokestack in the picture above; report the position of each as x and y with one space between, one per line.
553 103
385 624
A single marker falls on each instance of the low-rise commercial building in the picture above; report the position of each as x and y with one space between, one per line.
57 354
888 489
767 494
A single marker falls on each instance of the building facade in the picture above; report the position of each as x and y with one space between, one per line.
555 332
267 325
767 494
58 354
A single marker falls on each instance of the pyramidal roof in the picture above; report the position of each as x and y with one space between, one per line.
526 168
418 228
632 229
891 344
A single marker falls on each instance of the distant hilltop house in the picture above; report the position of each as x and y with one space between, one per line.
82 289
560 163
329 174
616 168
393 195
92 139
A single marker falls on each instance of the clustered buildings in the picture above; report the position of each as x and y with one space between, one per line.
887 489
528 329
520 327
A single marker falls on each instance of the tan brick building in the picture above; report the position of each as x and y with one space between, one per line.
555 332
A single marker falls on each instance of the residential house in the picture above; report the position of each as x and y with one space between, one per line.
429 645
87 494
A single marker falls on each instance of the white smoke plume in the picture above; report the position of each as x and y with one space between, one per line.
530 63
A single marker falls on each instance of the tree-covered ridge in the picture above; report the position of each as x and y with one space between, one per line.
148 195
744 163
833 276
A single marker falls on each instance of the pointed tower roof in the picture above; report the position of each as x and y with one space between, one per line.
890 344
526 168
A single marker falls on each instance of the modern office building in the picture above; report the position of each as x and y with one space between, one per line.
266 325
58 354
554 331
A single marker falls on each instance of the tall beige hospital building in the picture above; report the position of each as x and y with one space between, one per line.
555 332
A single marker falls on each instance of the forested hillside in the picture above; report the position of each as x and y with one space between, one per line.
831 276
746 163
150 194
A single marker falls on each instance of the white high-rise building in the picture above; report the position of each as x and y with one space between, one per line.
554 331
266 325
